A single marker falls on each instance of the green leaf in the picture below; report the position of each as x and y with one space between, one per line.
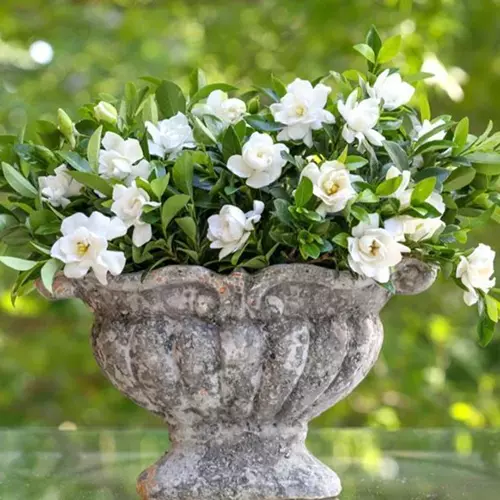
390 49
281 209
354 162
461 133
373 40
94 148
262 124
341 239
202 133
75 160
18 182
429 146
256 262
170 99
423 190
49 271
423 102
197 80
7 220
303 192
159 185
492 305
182 173
428 135
397 155
171 208
492 169
208 89
366 51
309 250
389 186
188 226
441 174
367 196
485 330
360 213
18 264
230 143
459 178
416 77
278 86
150 110
93 181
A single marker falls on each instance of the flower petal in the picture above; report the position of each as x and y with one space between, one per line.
112 141
142 234
238 167
73 222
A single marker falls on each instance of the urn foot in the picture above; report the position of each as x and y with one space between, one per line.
246 466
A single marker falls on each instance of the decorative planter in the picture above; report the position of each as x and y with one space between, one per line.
237 366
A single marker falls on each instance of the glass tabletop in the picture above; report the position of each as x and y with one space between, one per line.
39 464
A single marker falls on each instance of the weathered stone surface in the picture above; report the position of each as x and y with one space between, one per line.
237 365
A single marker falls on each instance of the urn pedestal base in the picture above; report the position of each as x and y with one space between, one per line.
271 465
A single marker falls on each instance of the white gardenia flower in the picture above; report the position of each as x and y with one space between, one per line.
426 127
332 184
391 89
414 228
230 229
122 159
58 188
170 136
302 111
128 205
476 272
84 246
361 118
106 112
373 251
260 162
228 109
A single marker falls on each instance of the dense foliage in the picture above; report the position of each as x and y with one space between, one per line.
431 371
350 179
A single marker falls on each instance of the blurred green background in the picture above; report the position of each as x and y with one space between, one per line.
61 53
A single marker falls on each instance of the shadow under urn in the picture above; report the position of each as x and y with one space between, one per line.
237 365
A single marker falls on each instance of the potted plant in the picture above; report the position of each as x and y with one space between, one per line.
251 243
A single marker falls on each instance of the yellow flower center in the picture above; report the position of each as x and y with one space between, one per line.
81 248
300 110
374 248
332 188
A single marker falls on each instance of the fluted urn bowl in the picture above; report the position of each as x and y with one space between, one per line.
237 365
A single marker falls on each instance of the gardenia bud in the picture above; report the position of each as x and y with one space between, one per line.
66 127
106 112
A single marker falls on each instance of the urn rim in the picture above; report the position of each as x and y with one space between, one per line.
411 276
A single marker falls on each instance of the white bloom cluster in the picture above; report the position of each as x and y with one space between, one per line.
122 159
476 273
302 111
230 229
332 184
374 246
373 251
58 188
84 246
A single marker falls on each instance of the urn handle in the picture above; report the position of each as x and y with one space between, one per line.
412 276
62 288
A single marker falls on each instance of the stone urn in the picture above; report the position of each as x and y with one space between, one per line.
237 365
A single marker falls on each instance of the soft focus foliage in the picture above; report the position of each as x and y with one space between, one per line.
432 372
